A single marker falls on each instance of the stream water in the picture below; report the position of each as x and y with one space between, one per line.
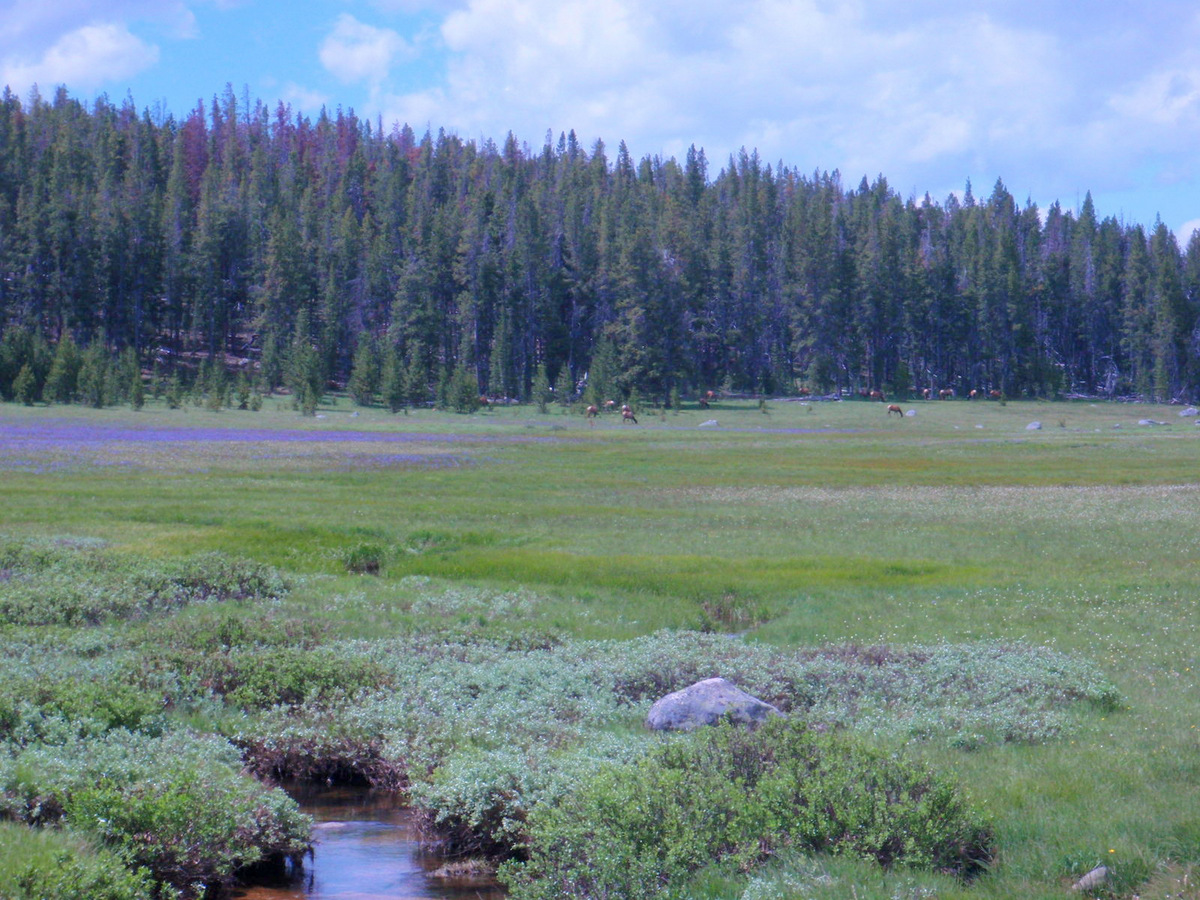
365 848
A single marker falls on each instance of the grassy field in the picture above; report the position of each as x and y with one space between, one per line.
798 526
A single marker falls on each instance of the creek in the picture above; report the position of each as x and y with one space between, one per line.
365 847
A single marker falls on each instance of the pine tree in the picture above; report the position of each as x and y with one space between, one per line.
137 392
541 388
463 390
62 381
365 374
95 375
25 386
564 387
393 381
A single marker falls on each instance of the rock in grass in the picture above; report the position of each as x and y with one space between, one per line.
1034 426
1092 879
706 703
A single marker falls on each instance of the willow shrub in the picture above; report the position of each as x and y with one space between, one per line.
178 805
40 863
72 582
643 829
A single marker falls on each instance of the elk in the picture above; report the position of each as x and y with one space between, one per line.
994 395
628 416
972 394
895 408
876 395
927 393
946 394
592 412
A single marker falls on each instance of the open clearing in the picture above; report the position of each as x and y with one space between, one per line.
807 525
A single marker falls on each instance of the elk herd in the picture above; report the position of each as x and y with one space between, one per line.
706 399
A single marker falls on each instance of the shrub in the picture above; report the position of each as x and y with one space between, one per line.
364 559
258 679
179 805
36 864
191 830
638 830
65 583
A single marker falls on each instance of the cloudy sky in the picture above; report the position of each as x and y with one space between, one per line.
1055 97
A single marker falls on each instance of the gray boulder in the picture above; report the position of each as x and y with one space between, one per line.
706 703
1034 426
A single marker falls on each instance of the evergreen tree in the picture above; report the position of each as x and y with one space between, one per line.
462 393
63 379
366 373
564 387
25 386
95 375
541 388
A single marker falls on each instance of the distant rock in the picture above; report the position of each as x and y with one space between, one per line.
1092 879
1034 426
1150 422
706 703
910 413
1189 412
711 423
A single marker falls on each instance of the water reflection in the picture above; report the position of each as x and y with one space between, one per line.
365 848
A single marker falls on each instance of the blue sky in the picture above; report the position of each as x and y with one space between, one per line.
1055 97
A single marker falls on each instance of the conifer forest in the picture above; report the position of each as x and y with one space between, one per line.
337 252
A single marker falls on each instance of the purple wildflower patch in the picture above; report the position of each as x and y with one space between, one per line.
56 444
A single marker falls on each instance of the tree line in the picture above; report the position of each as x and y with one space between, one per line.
254 247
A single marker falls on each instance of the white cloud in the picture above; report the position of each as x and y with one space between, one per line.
1168 98
357 52
814 84
87 57
302 98
1184 232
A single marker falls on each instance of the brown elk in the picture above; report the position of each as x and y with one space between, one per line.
484 402
994 395
592 412
946 394
927 393
609 404
628 416
972 394
876 395
895 408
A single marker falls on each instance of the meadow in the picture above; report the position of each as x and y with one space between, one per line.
478 610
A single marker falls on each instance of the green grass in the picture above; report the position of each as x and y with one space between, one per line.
818 523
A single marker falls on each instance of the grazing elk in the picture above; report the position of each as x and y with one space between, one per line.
895 408
927 393
994 395
946 394
628 416
876 395
592 412
972 394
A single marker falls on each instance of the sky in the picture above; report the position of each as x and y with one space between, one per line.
1053 97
